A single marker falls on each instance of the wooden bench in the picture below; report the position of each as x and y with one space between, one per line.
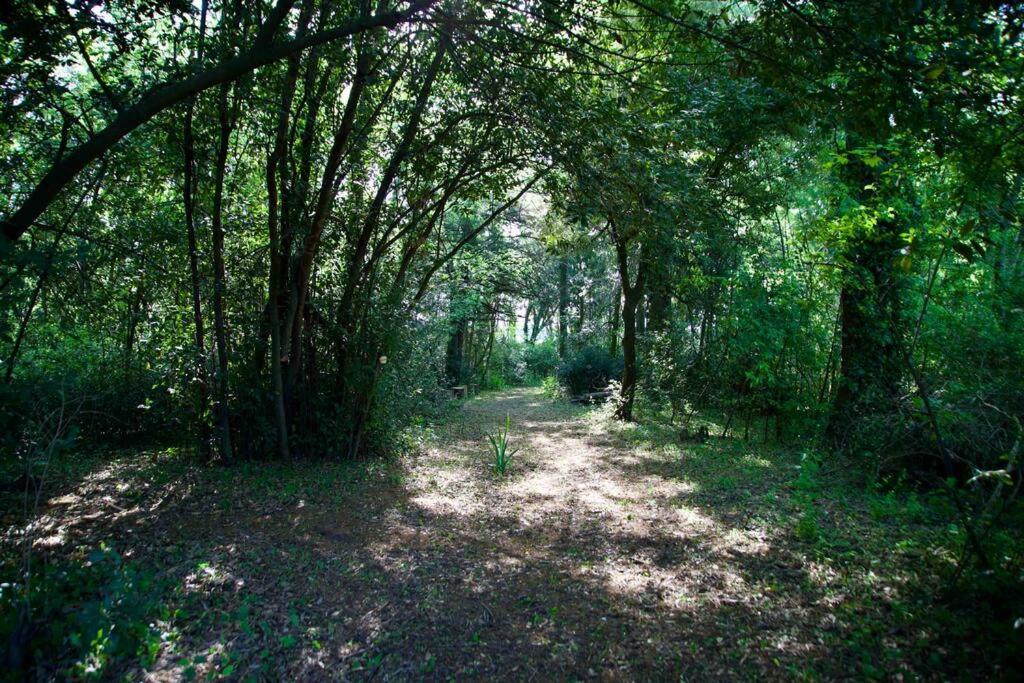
459 392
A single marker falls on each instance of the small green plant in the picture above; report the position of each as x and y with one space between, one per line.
807 525
808 468
551 388
502 457
806 486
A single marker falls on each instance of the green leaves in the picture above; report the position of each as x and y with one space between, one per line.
501 456
969 250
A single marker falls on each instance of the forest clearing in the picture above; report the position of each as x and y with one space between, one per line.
511 340
613 554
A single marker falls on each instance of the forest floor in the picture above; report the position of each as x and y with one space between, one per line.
608 552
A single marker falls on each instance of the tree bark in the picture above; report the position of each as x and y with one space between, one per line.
134 303
870 304
563 306
629 368
23 323
219 284
659 309
325 199
486 365
453 354
870 371
370 222
632 293
202 389
276 164
613 326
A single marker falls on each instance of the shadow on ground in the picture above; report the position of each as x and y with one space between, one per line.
605 554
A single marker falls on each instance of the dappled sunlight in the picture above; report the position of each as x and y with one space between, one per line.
756 461
593 556
467 340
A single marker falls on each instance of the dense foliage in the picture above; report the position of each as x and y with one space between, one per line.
278 229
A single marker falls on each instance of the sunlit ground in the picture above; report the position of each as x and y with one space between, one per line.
608 551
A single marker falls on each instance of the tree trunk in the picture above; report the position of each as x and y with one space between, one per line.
219 324
324 202
629 370
369 224
658 310
486 365
870 303
356 261
274 295
540 320
276 164
453 354
23 325
563 305
632 294
202 388
613 326
581 319
870 371
134 303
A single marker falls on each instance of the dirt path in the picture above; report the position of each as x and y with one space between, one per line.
588 561
609 552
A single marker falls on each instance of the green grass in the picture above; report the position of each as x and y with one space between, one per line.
890 551
881 555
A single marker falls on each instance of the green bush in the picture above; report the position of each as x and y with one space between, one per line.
552 389
494 381
124 397
88 618
538 361
807 486
514 363
590 369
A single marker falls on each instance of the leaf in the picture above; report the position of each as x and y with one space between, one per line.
934 71
964 251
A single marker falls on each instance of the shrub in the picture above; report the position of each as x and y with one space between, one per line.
589 369
806 486
552 389
494 381
514 363
125 398
88 620
538 361
807 525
